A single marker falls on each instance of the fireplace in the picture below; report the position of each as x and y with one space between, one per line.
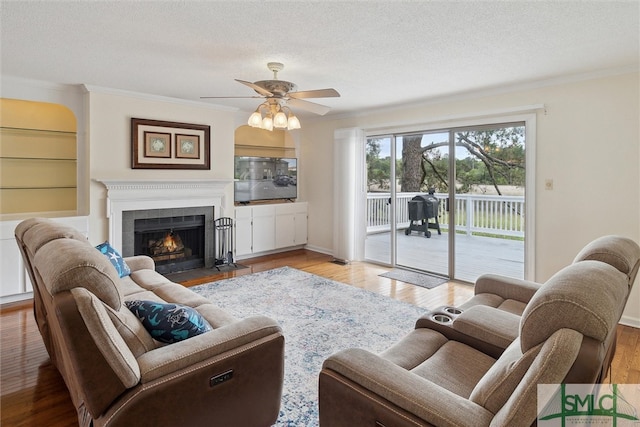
177 239
128 200
175 243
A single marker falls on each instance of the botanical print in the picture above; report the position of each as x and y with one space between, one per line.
188 146
157 144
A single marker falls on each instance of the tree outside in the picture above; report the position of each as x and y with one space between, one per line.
487 158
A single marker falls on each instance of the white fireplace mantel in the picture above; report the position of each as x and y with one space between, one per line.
137 194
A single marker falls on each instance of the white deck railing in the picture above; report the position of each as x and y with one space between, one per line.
500 215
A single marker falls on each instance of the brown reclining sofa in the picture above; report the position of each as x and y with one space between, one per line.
116 373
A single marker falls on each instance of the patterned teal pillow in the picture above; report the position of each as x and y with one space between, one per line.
116 259
169 322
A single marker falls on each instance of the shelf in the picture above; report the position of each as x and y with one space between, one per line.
38 131
27 144
72 159
53 187
38 157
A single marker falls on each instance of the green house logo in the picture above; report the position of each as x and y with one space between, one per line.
588 404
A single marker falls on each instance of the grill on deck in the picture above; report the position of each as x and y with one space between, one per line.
422 209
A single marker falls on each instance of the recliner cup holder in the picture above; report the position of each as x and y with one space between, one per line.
441 318
453 310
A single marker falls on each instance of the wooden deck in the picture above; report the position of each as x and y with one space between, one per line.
475 255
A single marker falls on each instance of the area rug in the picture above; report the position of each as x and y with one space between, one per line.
319 317
198 273
415 278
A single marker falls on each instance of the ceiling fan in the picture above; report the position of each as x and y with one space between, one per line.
280 95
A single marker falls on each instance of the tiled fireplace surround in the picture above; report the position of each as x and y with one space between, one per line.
128 200
128 227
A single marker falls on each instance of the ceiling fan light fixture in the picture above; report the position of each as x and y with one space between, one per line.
280 120
277 94
255 119
267 123
293 122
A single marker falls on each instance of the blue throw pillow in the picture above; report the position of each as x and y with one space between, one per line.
116 259
169 322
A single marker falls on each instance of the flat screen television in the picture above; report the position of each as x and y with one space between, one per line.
265 178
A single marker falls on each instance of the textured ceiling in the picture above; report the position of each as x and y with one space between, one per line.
375 54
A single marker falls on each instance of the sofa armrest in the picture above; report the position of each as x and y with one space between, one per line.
488 324
506 287
183 354
140 262
466 334
406 390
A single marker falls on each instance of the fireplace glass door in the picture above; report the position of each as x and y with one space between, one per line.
174 243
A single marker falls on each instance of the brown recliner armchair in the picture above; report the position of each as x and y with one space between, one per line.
491 317
431 379
117 374
512 295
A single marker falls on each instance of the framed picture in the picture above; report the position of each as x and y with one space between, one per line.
157 144
187 146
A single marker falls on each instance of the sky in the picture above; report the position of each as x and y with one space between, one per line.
385 149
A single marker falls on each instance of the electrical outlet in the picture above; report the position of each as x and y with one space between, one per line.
548 184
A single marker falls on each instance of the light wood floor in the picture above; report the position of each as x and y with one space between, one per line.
34 394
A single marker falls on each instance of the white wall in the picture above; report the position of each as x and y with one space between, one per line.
587 142
109 116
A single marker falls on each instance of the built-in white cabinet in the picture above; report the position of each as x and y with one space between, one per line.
244 230
291 225
263 231
15 284
265 228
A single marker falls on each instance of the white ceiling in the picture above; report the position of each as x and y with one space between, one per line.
375 53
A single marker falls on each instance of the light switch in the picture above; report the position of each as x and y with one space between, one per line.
548 184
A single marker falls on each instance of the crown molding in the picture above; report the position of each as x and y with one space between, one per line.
9 82
484 92
155 98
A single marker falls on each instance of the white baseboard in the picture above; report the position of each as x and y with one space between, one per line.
15 298
319 249
634 322
275 251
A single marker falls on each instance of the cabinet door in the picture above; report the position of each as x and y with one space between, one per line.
13 273
285 230
301 228
264 228
291 225
243 231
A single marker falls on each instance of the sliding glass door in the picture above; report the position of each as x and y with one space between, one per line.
378 245
455 204
489 200
421 202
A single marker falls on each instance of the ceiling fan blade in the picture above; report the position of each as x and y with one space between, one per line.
230 97
255 87
309 106
319 93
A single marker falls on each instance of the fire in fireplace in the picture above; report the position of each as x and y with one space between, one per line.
169 247
174 243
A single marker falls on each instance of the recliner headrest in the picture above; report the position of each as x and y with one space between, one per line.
36 232
65 264
588 297
620 252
